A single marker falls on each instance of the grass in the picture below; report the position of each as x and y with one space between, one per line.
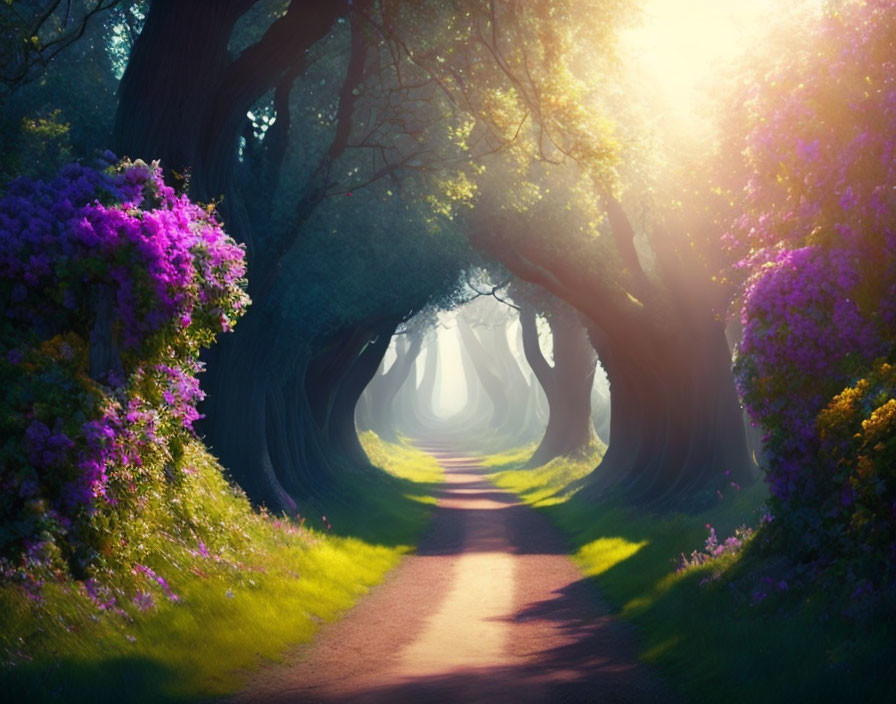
550 484
702 628
248 588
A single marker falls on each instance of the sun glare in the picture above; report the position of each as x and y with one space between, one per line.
679 45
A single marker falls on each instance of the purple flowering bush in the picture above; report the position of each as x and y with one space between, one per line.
817 239
111 285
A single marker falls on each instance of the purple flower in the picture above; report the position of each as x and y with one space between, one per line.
143 569
144 600
173 279
849 199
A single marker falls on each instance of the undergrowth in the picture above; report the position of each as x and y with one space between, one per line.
193 596
739 624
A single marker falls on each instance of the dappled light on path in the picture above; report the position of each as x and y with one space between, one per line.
489 609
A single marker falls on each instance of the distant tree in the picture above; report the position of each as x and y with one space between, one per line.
384 387
567 383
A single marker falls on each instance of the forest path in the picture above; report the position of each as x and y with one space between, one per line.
489 609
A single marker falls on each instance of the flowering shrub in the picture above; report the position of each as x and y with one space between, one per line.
818 237
111 284
805 338
173 274
857 432
821 149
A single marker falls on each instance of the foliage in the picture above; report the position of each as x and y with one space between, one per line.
526 81
198 590
713 549
111 284
65 113
857 432
43 145
36 31
521 71
807 638
817 238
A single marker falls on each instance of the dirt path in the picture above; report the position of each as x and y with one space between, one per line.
490 609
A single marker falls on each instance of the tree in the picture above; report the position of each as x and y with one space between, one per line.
416 402
383 389
312 336
567 383
676 425
35 33
494 364
443 85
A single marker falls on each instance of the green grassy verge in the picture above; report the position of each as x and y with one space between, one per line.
709 629
238 588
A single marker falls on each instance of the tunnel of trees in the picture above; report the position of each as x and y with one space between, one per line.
300 118
320 320
407 179
285 284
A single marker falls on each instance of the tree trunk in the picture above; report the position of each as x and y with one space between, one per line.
675 428
413 406
341 429
672 423
475 414
384 388
236 423
515 385
567 384
104 357
183 100
600 414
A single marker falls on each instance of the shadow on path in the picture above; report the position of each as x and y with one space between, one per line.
489 609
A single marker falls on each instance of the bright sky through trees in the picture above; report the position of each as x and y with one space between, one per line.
678 46
451 394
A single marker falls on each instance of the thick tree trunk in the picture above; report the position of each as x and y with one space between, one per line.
183 100
237 419
675 426
163 108
341 429
567 384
